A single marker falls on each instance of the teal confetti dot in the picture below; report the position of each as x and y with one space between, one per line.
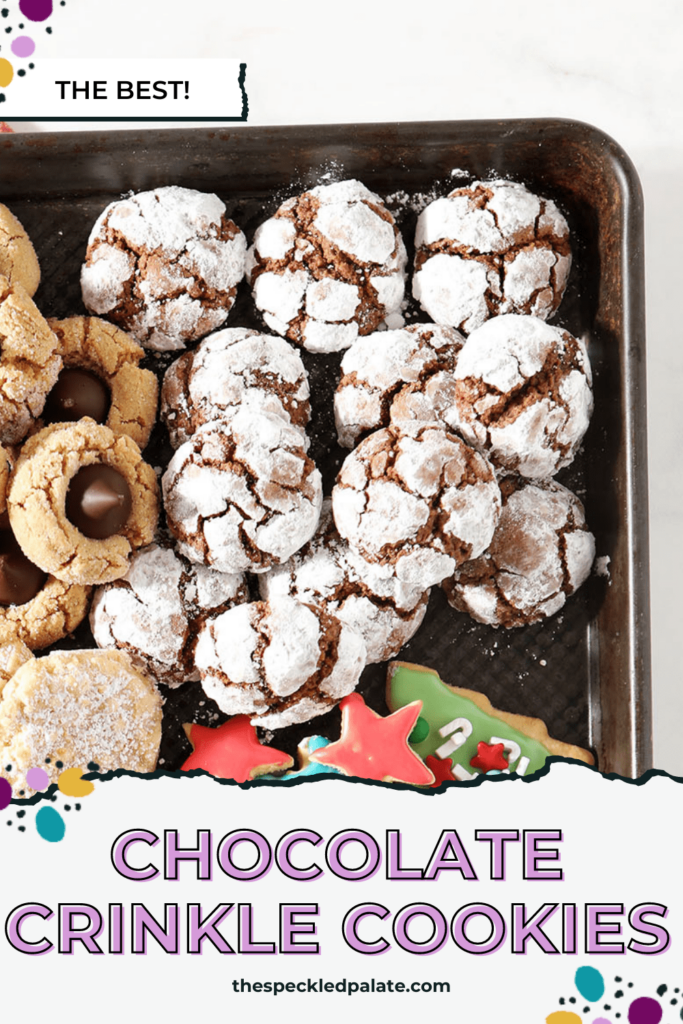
50 824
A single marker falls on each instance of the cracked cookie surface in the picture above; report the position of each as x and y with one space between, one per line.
397 376
243 496
490 248
37 501
29 361
92 344
164 265
155 611
74 708
524 395
326 572
233 369
422 501
328 266
18 260
541 552
279 661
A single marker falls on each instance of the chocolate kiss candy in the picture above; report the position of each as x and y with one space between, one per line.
77 393
20 580
98 501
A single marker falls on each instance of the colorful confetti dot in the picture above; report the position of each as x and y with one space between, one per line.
23 46
645 1011
5 794
563 1017
37 779
590 983
50 824
601 1020
6 72
36 10
71 784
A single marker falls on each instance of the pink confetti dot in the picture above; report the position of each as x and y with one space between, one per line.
37 779
23 46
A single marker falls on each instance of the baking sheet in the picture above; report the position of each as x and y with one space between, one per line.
586 671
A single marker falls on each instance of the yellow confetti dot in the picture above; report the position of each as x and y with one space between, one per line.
563 1017
6 72
71 784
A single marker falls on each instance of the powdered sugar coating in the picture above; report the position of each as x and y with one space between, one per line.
154 612
384 610
280 661
243 496
492 247
328 266
164 265
541 552
397 376
234 369
422 501
523 394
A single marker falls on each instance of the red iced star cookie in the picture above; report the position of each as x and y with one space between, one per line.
372 747
489 757
441 769
232 751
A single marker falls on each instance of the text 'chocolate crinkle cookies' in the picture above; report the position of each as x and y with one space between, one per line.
422 501
155 611
102 379
74 708
18 260
492 247
328 266
232 370
242 496
81 500
369 597
29 361
541 553
397 376
164 265
279 661
524 395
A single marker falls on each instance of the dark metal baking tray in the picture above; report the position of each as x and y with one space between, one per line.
587 671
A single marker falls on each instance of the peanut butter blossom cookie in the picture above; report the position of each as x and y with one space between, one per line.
232 370
74 708
541 553
524 395
281 662
492 247
29 361
328 266
81 500
102 379
164 265
18 260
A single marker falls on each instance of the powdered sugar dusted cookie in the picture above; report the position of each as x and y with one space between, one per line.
164 265
279 661
231 370
328 266
492 247
422 502
541 553
243 496
72 708
396 376
385 611
523 393
154 612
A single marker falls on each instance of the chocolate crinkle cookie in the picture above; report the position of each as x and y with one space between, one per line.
524 395
154 612
422 501
280 661
232 370
492 247
397 376
541 553
326 572
242 496
328 266
164 265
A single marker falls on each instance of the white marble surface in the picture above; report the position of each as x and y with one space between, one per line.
613 63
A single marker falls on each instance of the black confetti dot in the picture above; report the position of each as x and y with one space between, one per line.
673 1002
21 814
607 1006
59 764
67 807
49 31
661 990
586 1009
22 828
47 761
561 1001
31 66
8 29
617 979
618 994
53 798
78 807
21 791
8 767
21 72
5 12
21 26
630 984
571 999
9 822
92 767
